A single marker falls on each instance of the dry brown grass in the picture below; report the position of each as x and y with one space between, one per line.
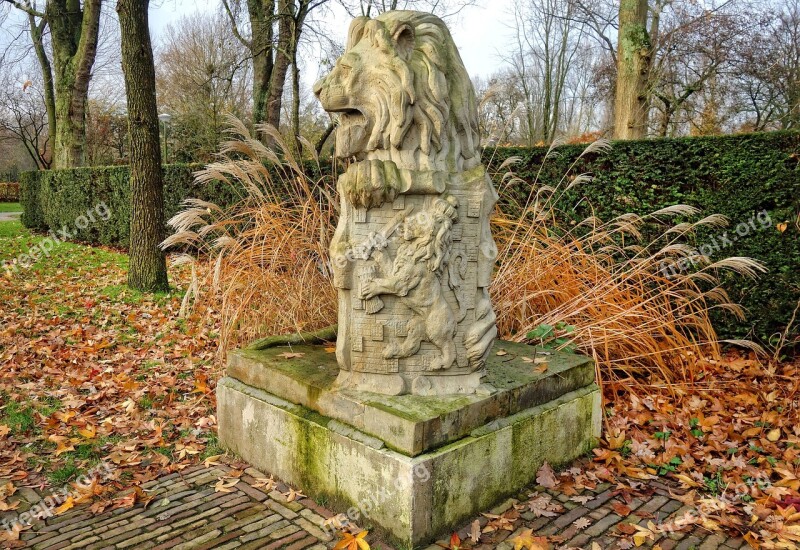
605 280
267 266
265 257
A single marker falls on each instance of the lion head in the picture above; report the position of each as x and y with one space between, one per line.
430 231
403 94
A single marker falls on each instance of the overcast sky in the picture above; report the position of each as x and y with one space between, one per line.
480 31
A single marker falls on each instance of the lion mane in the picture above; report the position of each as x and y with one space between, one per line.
434 248
403 74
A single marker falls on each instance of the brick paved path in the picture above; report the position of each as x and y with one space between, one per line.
187 512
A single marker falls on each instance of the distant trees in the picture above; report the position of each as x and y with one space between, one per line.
571 68
106 133
547 43
202 74
500 101
767 71
785 74
23 118
639 68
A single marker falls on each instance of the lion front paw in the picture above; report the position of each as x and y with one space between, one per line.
392 351
370 183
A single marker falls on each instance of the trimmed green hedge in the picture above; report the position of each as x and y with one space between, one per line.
55 199
737 176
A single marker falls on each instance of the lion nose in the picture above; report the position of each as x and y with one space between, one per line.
318 86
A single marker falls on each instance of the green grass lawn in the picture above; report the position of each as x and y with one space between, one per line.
10 207
15 241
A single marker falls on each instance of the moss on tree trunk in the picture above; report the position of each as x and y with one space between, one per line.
633 71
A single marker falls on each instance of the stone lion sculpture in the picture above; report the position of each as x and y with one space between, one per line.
407 122
402 94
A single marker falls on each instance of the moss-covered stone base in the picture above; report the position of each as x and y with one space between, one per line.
410 499
514 381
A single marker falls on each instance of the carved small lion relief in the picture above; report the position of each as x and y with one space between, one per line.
415 275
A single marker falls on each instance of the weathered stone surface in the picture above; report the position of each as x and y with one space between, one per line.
412 256
413 424
412 499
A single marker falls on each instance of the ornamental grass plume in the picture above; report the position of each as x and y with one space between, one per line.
601 286
264 258
598 285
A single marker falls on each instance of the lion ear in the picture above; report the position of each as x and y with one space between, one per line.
404 40
356 31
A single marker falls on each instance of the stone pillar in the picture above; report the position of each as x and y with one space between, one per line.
412 259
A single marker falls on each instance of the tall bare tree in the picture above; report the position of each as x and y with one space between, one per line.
202 74
148 268
548 41
783 72
23 118
276 28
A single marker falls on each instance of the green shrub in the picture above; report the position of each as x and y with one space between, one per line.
32 215
737 176
55 199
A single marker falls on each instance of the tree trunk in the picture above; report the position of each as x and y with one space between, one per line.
74 36
633 71
296 105
37 37
261 13
297 28
324 137
283 58
148 268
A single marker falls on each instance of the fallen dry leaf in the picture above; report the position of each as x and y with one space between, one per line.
475 531
582 523
293 495
526 539
352 542
290 355
546 477
212 460
224 485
